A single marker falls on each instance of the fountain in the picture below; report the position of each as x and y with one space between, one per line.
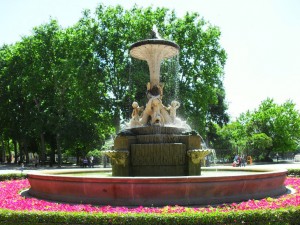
153 143
156 161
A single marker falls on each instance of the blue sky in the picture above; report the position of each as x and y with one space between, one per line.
261 38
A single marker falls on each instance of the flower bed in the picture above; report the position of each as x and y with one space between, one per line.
11 199
282 210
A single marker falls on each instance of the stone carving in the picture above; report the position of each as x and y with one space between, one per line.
118 157
197 155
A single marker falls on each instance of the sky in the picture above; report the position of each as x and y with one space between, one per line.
261 39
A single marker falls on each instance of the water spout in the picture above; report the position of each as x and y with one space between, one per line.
155 34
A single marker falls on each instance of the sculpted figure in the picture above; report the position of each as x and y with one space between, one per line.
173 107
156 115
135 115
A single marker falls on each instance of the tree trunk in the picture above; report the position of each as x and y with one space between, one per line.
7 150
269 150
16 151
43 149
117 120
3 151
26 152
78 158
21 148
52 156
58 150
9 153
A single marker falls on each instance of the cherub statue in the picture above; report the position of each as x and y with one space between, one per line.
156 107
135 115
173 107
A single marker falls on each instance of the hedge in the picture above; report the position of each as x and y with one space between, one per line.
13 176
289 216
294 172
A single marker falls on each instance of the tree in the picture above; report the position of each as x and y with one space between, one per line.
219 140
235 134
258 143
272 128
281 123
52 90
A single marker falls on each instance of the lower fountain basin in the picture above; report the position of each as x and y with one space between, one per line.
157 191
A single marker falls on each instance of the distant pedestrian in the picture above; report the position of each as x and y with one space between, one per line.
236 161
243 161
85 162
22 167
91 161
36 161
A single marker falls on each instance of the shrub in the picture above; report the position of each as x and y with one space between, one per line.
294 172
13 176
275 217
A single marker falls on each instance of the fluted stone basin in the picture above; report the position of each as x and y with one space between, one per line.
145 49
154 51
157 191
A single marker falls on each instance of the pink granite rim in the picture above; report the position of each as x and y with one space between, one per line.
157 191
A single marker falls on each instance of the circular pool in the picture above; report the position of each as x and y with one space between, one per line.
222 185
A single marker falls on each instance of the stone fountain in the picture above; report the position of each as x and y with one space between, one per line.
155 161
154 143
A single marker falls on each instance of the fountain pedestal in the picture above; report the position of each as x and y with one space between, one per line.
148 152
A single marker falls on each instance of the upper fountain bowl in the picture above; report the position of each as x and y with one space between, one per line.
145 49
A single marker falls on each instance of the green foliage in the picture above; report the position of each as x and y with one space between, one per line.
201 62
294 172
13 176
279 122
97 155
258 143
51 90
232 138
272 128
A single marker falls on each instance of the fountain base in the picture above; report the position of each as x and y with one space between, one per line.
157 151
